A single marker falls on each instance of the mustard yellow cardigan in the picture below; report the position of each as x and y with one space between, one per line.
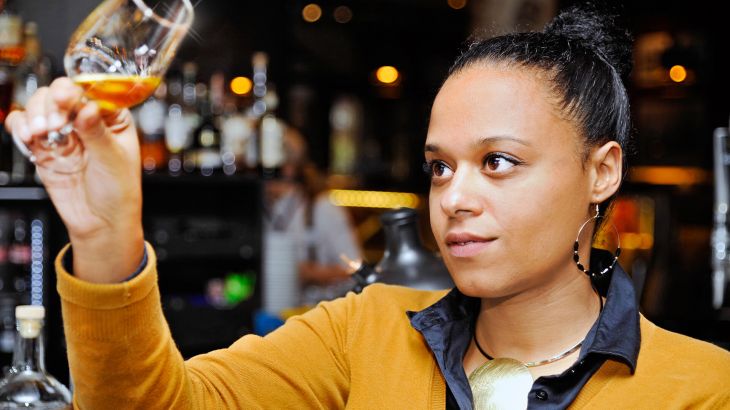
358 352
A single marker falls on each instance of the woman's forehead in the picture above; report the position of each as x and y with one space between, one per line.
485 100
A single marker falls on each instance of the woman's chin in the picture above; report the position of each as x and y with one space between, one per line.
483 286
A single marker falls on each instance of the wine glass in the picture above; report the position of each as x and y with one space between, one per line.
118 55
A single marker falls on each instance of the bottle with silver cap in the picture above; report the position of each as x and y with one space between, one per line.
27 384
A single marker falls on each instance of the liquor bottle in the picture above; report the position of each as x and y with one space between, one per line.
33 72
406 261
237 130
19 258
27 384
176 129
7 293
259 61
11 34
720 238
190 112
4 247
6 145
206 145
35 69
151 119
271 137
346 124
270 129
252 158
11 53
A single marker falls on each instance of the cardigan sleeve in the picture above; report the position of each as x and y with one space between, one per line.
121 353
720 401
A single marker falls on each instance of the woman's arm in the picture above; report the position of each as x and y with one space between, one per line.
102 205
121 353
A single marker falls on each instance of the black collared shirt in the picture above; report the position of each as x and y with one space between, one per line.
448 326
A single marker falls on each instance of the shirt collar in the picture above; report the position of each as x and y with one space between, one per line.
617 332
447 326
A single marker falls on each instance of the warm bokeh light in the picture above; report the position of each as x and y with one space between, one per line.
241 85
457 4
311 12
387 74
373 199
667 175
677 73
631 241
343 14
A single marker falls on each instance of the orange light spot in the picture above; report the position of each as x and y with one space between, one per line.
677 73
387 74
457 4
311 12
241 85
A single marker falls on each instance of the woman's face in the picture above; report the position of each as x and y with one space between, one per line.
509 189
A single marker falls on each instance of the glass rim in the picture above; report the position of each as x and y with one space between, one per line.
148 12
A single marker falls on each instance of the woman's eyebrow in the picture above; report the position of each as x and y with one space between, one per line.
483 141
431 148
499 138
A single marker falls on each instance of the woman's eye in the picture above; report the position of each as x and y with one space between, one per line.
435 168
498 162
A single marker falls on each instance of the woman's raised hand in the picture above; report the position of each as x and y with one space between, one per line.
101 206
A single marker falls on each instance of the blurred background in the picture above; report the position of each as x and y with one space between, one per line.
352 81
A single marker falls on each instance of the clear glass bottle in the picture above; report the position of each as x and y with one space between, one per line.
26 384
207 136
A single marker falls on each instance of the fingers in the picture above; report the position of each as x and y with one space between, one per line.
35 113
17 125
63 99
51 107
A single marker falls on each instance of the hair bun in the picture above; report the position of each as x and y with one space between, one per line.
598 30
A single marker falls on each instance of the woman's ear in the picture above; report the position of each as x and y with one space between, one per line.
606 168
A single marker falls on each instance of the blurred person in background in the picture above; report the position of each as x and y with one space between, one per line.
297 205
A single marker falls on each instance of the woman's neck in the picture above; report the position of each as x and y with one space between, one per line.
536 324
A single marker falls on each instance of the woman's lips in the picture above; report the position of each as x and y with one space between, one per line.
465 245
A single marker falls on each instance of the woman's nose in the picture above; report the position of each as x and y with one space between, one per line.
462 196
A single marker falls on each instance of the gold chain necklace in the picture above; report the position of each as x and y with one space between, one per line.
504 383
538 362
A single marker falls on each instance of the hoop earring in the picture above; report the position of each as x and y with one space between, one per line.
576 257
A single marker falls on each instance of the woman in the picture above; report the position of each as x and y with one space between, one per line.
526 140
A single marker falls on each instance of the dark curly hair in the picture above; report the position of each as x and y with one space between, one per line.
586 56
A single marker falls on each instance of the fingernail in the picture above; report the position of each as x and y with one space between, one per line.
55 121
39 124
